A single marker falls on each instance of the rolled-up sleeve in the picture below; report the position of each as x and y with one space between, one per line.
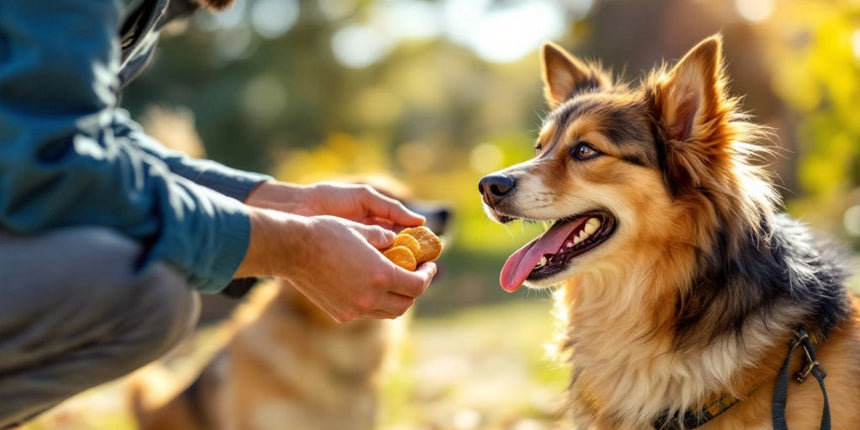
68 157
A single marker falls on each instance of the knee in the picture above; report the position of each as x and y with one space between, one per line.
80 306
149 310
161 313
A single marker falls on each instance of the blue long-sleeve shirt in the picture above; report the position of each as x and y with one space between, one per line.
69 156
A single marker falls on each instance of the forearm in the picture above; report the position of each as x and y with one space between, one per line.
203 233
274 245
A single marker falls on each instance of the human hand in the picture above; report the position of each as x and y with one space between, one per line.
335 263
359 203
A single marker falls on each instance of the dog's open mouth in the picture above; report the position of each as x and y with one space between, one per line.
551 253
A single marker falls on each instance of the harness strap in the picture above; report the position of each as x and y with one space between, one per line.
693 419
780 390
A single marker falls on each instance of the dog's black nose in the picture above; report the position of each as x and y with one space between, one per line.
495 187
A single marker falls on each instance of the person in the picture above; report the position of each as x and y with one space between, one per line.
106 236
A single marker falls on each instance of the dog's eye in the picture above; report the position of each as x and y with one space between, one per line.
584 151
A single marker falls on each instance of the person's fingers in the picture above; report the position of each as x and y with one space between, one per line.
413 284
393 305
384 207
384 223
377 236
379 315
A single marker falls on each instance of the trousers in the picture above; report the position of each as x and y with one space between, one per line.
76 310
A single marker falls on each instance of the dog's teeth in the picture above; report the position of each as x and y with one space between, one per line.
569 244
578 239
592 225
542 262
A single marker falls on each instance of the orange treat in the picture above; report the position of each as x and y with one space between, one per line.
409 242
401 256
430 244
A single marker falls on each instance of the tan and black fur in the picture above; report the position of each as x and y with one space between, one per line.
699 288
288 365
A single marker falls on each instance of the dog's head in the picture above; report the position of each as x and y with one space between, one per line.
619 167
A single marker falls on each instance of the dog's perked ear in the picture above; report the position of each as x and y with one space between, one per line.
693 113
564 75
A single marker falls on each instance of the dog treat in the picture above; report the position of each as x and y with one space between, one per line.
430 245
409 242
414 246
401 256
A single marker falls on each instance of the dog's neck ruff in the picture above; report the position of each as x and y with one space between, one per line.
694 418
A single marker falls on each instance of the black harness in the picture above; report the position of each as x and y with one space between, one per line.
691 419
812 366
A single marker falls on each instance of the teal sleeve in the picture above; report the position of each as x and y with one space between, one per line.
231 182
67 157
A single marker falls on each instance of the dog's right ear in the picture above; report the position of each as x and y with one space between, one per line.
564 75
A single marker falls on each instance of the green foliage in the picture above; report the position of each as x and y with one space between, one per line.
814 51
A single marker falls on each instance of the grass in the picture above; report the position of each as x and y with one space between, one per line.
478 368
482 367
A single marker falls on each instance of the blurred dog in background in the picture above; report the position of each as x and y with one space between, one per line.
286 363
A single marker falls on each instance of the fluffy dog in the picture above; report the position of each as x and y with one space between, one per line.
682 289
287 364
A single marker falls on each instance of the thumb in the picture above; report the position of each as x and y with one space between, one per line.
377 236
413 284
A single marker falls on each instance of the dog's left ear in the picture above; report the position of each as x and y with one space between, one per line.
691 109
564 75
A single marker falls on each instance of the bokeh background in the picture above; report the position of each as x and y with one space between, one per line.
439 93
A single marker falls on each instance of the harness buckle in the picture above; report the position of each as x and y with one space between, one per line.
801 375
811 362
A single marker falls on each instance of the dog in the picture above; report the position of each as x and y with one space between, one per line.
682 290
288 364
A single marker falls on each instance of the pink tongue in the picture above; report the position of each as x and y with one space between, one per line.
521 263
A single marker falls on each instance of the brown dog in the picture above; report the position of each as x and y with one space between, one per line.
682 287
287 365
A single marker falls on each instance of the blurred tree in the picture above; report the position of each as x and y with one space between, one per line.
814 52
